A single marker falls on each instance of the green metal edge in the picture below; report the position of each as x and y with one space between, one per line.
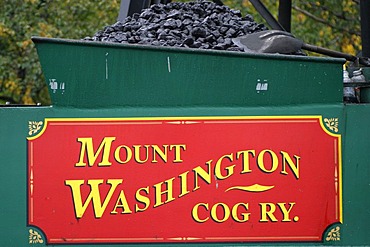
37 39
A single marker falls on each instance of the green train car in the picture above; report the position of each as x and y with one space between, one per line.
152 145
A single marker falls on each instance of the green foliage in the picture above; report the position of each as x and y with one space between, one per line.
332 24
21 80
328 23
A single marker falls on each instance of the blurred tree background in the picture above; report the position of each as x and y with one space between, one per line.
21 80
329 23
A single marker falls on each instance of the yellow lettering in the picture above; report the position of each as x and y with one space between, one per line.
245 155
162 154
118 157
293 167
195 215
137 153
159 192
93 196
261 164
200 172
88 149
122 203
229 169
234 212
267 210
184 183
143 199
286 211
226 212
178 147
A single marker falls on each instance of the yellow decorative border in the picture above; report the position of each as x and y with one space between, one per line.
181 120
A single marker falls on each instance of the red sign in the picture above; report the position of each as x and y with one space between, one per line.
198 179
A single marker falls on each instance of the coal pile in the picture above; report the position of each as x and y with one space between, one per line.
200 24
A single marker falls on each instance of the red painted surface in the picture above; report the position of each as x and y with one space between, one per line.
226 179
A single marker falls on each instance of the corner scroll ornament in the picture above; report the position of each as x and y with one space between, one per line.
333 234
332 124
34 127
35 237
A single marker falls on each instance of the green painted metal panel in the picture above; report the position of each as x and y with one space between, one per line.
356 170
116 81
353 126
88 74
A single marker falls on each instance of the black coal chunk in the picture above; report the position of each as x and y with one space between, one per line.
199 32
200 24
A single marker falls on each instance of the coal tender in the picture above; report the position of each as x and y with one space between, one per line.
200 24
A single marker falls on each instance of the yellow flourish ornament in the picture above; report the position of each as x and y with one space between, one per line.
33 127
334 234
35 237
332 124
